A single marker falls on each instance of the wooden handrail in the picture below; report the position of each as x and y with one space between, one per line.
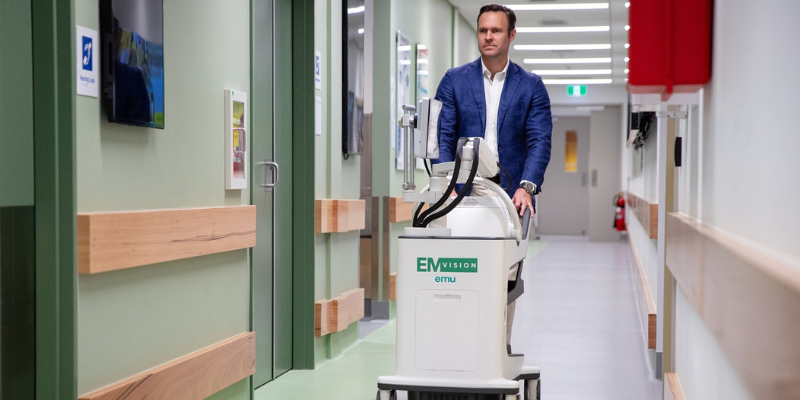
193 376
645 296
672 387
748 297
339 215
110 241
337 314
646 212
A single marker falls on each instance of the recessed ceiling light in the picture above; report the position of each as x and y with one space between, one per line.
563 29
556 7
590 108
572 72
355 10
627 27
627 70
627 59
567 60
360 30
627 45
627 4
575 81
562 47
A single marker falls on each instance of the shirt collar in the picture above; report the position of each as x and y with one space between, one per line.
500 75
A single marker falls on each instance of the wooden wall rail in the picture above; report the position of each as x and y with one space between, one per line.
748 297
399 210
337 314
193 376
109 241
646 303
332 215
672 387
646 212
393 286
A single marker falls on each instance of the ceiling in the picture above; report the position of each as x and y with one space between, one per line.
615 16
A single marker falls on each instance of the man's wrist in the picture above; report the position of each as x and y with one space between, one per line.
529 187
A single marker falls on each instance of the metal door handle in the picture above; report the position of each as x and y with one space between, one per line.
267 164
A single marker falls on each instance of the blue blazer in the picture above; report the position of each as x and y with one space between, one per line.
524 124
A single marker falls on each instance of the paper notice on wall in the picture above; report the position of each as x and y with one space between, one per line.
87 65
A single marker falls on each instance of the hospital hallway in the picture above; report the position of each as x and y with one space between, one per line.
577 321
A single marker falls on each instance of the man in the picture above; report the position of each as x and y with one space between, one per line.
495 99
508 107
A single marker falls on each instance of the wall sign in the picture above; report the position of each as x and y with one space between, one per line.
86 56
318 70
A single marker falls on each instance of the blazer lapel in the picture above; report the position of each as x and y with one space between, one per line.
476 84
513 77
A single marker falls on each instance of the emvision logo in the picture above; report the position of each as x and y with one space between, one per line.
426 264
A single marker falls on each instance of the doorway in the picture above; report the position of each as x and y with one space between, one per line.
271 187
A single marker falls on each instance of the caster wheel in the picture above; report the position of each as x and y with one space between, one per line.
533 389
392 395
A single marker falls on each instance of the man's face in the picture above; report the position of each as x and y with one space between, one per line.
493 37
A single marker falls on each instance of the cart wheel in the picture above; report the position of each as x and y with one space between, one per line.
533 389
390 395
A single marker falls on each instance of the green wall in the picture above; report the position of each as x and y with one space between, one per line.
135 319
335 254
16 104
436 24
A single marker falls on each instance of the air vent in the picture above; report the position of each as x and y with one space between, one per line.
553 22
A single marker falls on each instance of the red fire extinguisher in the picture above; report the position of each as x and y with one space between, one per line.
619 218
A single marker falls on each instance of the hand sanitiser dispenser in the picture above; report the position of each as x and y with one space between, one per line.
459 266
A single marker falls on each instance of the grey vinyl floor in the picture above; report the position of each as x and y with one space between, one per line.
578 321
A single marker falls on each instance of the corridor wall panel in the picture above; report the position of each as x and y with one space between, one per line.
132 320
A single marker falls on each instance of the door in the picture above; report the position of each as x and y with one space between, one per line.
563 205
271 187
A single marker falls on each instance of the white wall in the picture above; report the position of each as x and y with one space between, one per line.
742 173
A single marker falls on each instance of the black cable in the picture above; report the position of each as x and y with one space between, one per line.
417 219
462 193
428 170
508 176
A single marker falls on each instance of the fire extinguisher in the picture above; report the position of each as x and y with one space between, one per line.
619 218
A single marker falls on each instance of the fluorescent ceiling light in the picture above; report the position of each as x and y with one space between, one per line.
600 60
572 72
557 7
627 27
575 81
355 10
562 47
627 45
627 70
590 108
563 29
627 4
627 59
360 30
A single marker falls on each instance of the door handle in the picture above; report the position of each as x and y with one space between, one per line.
267 166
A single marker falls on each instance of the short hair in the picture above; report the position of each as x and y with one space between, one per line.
512 18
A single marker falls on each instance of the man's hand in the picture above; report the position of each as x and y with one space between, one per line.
522 200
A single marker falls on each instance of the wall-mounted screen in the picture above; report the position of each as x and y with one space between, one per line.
133 61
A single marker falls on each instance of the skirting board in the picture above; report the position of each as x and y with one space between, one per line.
339 215
646 302
193 376
672 387
749 298
646 212
337 314
110 241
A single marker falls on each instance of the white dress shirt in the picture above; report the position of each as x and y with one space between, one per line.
492 89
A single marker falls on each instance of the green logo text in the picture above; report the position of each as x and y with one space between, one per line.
427 264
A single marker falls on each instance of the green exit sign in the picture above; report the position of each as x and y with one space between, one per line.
576 90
